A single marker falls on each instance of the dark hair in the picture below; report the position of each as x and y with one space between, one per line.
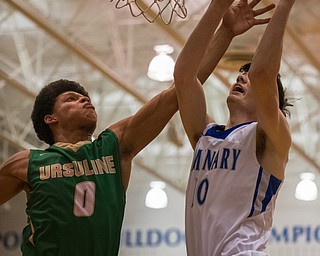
44 104
283 101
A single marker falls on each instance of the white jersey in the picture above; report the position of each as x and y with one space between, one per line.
230 198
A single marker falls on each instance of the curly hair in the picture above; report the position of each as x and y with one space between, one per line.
283 101
44 104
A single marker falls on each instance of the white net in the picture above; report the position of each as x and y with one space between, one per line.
153 9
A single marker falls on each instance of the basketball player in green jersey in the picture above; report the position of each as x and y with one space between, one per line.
76 187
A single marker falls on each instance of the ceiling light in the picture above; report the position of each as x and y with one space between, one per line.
156 197
306 189
162 65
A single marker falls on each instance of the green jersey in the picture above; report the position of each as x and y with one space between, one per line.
76 203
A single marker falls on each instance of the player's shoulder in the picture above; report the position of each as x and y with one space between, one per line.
22 155
17 162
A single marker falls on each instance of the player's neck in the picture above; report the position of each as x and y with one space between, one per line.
236 120
73 136
239 114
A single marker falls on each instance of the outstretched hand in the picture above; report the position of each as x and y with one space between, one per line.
241 16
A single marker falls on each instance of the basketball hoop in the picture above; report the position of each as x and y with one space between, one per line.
165 9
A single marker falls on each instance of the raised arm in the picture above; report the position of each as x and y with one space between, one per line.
263 77
13 176
155 114
191 98
238 19
139 130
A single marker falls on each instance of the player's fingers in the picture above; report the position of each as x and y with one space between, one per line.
253 3
261 21
263 10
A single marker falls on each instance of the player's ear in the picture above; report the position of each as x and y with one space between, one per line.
50 119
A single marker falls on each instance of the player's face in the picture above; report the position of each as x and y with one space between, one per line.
74 110
241 93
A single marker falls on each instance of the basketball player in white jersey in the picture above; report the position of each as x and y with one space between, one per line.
237 168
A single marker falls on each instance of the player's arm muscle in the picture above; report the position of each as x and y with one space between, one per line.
13 175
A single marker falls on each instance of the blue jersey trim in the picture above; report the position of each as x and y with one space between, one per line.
256 191
272 189
273 186
219 132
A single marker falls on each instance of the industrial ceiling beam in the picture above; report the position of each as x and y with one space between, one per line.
73 46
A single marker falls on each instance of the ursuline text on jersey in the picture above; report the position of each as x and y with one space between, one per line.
78 168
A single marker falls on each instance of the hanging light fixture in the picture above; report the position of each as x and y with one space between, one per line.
156 197
162 65
306 189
